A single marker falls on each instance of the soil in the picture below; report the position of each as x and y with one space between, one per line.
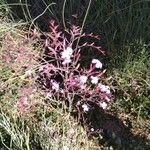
114 129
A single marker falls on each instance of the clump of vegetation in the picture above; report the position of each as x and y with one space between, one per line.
26 121
132 82
63 75
65 82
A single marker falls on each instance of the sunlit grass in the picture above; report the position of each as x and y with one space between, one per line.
133 81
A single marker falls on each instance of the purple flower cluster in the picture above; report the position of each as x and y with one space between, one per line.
62 75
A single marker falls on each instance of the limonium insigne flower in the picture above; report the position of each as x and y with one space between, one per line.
107 99
28 73
104 88
94 80
92 129
83 79
66 61
85 107
66 55
78 103
67 52
103 105
97 63
55 85
22 104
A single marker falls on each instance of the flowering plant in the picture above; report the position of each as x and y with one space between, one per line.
61 74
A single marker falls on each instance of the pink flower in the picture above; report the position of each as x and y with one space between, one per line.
22 104
103 105
66 55
104 88
55 85
28 73
97 63
85 107
107 98
83 86
78 103
66 61
41 68
69 50
47 68
92 129
94 80
83 79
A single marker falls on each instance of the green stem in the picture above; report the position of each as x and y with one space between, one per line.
85 17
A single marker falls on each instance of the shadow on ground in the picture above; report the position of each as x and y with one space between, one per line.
110 130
